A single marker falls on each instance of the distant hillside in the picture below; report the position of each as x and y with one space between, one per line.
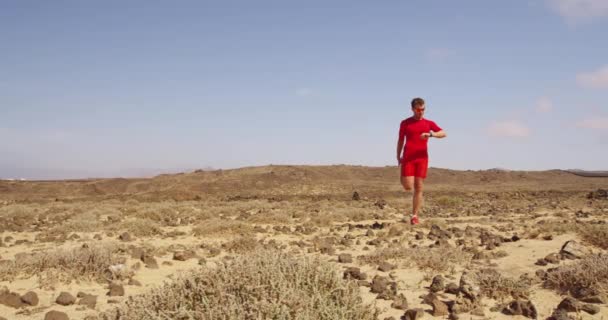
584 173
300 180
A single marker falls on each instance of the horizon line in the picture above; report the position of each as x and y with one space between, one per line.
211 169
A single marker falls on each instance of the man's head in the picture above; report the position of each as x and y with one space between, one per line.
418 107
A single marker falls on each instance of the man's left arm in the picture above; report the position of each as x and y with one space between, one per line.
436 131
439 134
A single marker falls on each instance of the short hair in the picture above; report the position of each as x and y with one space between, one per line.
417 102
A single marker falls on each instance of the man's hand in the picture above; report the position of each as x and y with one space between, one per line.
425 135
399 159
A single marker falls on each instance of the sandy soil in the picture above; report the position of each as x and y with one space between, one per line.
536 217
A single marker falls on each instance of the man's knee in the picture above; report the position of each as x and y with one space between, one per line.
418 186
407 185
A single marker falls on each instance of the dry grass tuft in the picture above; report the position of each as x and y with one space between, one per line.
215 226
448 201
273 218
64 265
242 244
326 219
265 284
596 235
496 286
141 227
434 260
85 222
590 272
552 227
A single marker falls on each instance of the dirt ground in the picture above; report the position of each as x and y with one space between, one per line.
98 242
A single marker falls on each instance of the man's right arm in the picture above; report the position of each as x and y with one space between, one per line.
400 141
399 148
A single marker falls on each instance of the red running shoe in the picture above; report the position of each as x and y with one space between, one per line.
414 220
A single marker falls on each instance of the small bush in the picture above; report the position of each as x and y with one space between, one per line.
265 284
85 222
270 218
596 235
495 286
437 260
64 265
590 272
555 227
242 244
138 227
215 226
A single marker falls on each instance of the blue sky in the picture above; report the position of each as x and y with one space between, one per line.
108 88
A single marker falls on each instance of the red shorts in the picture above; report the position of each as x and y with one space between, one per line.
415 168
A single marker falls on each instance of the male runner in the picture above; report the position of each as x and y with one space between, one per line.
416 130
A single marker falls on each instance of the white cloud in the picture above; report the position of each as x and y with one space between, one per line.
544 105
594 123
438 54
580 10
303 92
594 79
513 129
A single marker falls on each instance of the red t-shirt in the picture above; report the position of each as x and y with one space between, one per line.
411 129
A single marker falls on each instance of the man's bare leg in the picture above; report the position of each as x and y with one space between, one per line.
408 185
417 202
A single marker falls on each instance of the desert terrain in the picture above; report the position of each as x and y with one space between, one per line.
305 242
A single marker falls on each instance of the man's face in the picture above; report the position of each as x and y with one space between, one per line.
418 111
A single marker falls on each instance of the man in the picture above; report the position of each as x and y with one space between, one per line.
416 131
